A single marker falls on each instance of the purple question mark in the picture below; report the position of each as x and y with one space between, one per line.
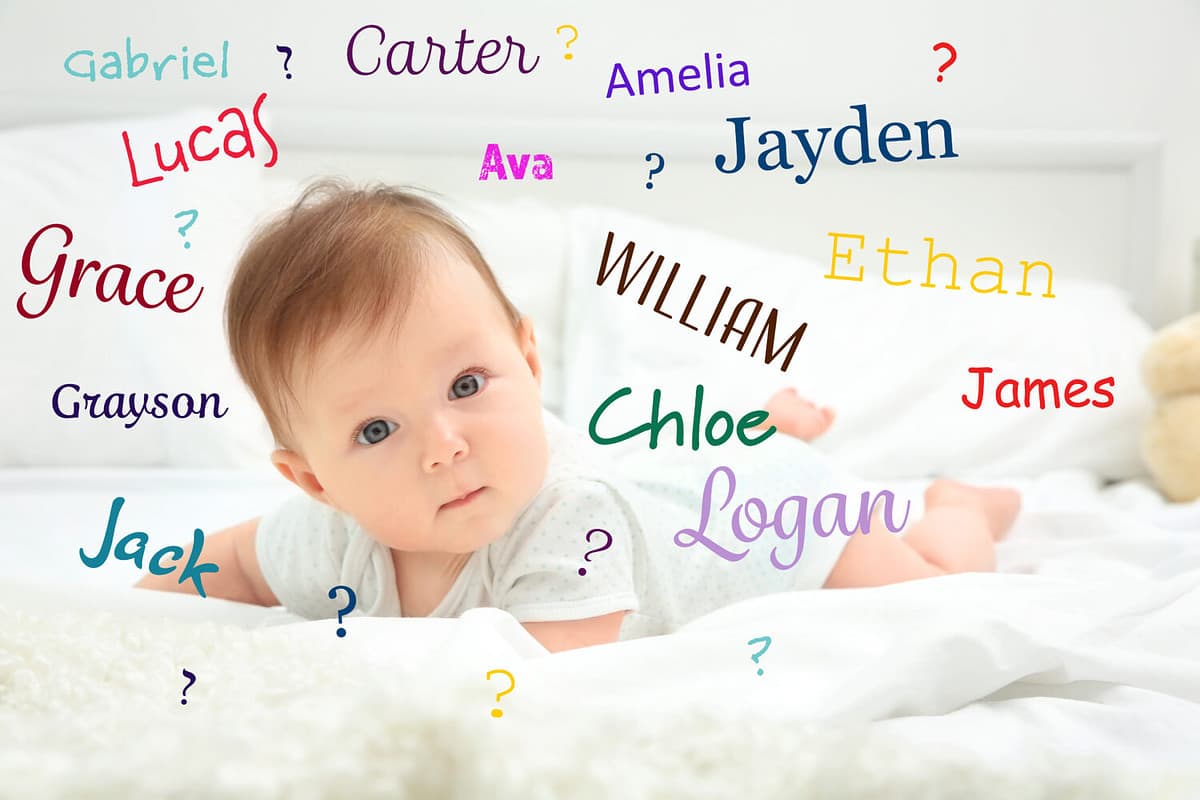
191 676
607 545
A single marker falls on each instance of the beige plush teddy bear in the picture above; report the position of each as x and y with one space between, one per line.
1171 440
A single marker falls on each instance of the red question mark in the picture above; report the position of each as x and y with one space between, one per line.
953 57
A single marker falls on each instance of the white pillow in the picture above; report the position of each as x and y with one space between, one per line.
78 175
892 360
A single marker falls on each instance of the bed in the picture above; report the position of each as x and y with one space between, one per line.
1074 671
1070 673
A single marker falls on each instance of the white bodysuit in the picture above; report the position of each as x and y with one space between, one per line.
305 548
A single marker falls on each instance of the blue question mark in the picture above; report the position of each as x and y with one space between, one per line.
661 163
350 593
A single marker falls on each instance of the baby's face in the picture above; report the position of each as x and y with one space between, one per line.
432 440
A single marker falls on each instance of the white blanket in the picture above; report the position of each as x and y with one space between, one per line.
1075 673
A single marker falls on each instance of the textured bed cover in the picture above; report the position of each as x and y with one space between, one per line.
1073 672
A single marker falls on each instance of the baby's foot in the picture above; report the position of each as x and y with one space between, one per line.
1000 506
795 416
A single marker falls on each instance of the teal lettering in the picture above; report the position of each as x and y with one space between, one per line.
90 74
156 561
136 556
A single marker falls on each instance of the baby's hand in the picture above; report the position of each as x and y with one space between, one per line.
795 416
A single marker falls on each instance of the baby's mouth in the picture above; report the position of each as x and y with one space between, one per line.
462 500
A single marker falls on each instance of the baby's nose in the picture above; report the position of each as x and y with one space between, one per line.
445 445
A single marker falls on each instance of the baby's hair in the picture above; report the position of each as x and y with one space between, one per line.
340 257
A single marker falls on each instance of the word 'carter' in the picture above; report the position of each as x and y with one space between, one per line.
401 55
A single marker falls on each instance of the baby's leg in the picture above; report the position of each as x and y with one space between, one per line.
947 539
1000 506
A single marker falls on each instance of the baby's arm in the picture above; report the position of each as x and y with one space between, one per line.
238 576
570 634
539 575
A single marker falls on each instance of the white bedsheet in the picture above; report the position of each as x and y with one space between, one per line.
1075 672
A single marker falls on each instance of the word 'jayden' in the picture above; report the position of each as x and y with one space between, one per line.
114 405
776 155
119 291
241 129
404 64
138 540
788 523
543 167
655 425
135 63
1074 389
689 72
887 251
732 319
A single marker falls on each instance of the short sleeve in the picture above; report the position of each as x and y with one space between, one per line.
305 548
536 570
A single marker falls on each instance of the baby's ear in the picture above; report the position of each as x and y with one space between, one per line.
527 341
294 467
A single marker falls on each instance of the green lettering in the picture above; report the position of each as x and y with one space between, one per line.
612 398
749 421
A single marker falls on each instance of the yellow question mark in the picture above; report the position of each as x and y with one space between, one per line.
570 41
495 711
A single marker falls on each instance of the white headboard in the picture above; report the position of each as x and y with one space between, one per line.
1078 149
1088 204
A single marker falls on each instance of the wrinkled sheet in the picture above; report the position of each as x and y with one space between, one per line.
1086 643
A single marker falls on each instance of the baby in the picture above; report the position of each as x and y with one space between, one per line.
403 391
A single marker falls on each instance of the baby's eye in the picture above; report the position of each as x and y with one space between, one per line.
467 385
375 431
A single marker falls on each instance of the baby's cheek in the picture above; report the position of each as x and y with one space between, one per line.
387 518
537 460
